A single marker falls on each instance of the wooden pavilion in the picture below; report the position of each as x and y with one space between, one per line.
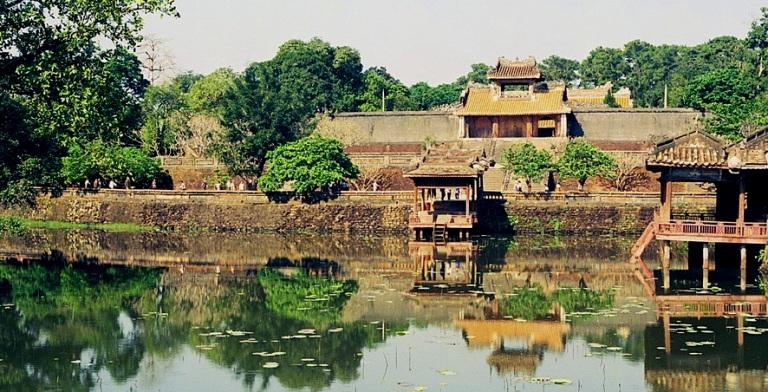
448 191
739 172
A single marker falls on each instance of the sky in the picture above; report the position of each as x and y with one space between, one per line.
437 40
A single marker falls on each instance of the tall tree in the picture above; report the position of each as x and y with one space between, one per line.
757 39
603 65
381 91
560 68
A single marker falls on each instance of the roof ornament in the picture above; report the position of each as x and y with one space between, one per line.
734 164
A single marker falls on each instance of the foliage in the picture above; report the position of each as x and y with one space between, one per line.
629 173
274 102
301 297
382 92
10 225
610 100
582 160
559 68
308 164
96 159
579 300
59 84
527 161
526 303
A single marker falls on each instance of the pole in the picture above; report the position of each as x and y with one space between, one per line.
383 106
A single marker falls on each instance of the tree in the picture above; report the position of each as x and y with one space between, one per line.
381 91
156 60
582 160
527 161
308 164
275 101
206 95
603 65
731 96
478 74
559 68
610 100
97 159
757 39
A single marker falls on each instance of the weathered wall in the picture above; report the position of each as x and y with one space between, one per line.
626 125
390 127
358 212
631 124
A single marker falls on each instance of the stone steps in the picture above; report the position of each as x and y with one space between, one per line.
493 179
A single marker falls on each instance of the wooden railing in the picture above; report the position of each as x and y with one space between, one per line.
713 229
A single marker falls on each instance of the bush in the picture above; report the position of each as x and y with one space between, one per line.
527 161
582 160
96 159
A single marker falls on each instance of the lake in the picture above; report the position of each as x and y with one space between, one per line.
95 311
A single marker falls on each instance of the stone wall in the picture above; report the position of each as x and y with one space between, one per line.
390 127
631 124
359 212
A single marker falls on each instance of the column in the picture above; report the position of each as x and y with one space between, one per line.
667 333
742 200
705 266
462 128
563 129
743 267
466 197
495 127
665 256
529 126
665 213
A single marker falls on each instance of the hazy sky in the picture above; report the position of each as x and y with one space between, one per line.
437 40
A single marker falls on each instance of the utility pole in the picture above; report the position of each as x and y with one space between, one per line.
383 106
665 95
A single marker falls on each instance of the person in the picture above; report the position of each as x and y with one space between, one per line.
127 182
112 184
242 186
217 186
97 183
546 187
205 185
154 184
183 186
375 186
518 186
87 184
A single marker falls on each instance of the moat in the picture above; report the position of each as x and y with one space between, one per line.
94 311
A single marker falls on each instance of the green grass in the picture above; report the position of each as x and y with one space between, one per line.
61 225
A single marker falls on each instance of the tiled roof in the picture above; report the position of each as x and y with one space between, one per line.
487 100
515 69
752 152
694 149
440 161
596 96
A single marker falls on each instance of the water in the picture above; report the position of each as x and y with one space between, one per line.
97 311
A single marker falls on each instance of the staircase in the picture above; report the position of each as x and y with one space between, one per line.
649 234
439 234
494 180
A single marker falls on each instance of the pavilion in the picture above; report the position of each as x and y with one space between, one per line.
739 172
448 191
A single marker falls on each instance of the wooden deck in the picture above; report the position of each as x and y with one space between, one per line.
450 221
713 231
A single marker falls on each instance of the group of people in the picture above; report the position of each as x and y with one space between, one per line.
96 184
549 185
230 185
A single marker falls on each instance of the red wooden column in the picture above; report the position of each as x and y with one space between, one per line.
466 196
665 213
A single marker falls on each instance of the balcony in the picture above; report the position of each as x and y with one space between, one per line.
713 231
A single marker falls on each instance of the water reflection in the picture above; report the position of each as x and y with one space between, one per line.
104 311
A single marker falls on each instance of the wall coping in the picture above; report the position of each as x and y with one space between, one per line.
391 114
635 110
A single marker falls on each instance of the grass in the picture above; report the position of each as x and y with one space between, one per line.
61 225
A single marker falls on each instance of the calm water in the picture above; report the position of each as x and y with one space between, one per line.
94 311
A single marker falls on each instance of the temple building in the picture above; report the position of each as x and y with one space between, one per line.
518 103
734 238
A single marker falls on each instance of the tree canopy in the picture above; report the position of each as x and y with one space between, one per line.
308 164
582 160
527 161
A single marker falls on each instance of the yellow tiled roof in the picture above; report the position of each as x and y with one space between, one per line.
482 100
515 69
623 102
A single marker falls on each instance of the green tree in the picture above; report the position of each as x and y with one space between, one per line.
527 161
478 74
559 68
377 82
97 159
757 39
603 65
308 164
206 95
275 101
610 100
582 160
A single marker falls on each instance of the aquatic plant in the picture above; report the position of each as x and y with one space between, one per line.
526 303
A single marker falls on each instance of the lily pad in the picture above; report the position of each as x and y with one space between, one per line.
270 365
